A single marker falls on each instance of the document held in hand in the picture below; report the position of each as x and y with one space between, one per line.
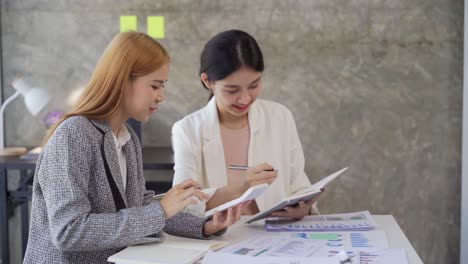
252 193
303 195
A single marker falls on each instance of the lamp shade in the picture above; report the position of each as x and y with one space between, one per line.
34 98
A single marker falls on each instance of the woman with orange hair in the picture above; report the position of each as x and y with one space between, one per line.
89 197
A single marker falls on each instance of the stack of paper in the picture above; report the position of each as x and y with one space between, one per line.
359 221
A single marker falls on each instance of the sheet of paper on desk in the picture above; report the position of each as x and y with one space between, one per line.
227 258
389 256
274 246
358 221
360 240
380 256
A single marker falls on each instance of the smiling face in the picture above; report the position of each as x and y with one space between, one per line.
144 94
235 93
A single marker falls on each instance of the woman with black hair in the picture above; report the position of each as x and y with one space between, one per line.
236 128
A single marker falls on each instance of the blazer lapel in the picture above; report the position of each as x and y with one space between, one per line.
133 196
112 160
255 150
213 151
110 155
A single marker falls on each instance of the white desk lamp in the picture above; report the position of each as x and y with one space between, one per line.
34 98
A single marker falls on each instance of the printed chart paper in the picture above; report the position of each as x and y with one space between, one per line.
358 221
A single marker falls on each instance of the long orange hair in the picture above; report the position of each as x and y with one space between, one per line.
129 55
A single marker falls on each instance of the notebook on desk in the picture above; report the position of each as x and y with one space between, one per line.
174 250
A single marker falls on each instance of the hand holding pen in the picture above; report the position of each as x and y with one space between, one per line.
180 196
263 173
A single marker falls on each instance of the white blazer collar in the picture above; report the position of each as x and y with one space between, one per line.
213 151
211 129
254 117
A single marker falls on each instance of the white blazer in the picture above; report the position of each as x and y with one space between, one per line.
199 153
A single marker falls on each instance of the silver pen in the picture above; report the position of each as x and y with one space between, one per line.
240 167
161 195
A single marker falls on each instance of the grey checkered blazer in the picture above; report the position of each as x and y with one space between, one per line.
73 216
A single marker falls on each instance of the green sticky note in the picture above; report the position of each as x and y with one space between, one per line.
155 26
324 236
128 23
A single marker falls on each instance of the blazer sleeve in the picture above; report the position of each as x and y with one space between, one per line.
185 225
64 174
185 157
299 178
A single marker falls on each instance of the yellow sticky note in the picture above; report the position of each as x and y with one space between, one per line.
155 26
128 23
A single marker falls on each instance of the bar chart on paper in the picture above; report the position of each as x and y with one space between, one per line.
366 246
357 221
385 256
390 256
376 239
360 240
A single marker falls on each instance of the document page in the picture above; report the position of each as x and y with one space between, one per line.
358 221
227 258
274 247
368 240
251 194
381 256
390 256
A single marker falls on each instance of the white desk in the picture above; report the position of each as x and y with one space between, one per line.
240 231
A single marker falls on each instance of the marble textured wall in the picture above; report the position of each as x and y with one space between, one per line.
373 85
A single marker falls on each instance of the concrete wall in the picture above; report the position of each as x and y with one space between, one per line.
373 85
